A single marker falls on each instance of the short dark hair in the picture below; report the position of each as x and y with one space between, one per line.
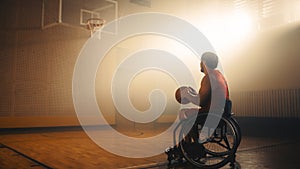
210 59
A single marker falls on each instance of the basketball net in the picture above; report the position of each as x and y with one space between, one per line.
94 24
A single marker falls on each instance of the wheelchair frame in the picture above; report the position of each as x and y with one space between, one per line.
226 131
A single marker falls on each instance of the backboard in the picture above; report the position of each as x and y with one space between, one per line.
78 13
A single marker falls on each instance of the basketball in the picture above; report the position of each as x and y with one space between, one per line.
178 94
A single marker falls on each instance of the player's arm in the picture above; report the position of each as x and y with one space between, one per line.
193 97
202 97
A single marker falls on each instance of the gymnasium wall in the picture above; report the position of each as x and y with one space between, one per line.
36 68
264 74
37 74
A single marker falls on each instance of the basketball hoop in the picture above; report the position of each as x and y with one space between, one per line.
94 24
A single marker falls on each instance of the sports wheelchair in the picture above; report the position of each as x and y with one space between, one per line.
215 150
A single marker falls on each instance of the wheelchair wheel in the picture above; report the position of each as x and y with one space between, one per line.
238 129
213 151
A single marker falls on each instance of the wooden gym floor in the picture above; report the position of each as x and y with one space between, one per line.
71 148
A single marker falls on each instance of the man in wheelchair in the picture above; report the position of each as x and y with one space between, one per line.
213 80
211 97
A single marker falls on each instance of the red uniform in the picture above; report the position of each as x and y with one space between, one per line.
213 93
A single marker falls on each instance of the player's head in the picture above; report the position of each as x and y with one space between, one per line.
210 60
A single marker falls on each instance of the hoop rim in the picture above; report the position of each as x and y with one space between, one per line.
93 27
95 19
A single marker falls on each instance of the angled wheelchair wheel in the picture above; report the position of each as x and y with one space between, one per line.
213 149
238 129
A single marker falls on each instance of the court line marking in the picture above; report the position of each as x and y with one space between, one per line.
24 155
267 146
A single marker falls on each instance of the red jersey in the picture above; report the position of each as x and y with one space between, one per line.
213 91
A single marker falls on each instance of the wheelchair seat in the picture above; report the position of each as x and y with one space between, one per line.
227 108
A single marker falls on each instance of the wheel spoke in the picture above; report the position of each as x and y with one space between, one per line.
227 146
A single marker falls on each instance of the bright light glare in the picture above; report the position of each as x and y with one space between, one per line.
239 26
227 31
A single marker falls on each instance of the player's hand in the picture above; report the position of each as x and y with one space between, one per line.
185 92
191 91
